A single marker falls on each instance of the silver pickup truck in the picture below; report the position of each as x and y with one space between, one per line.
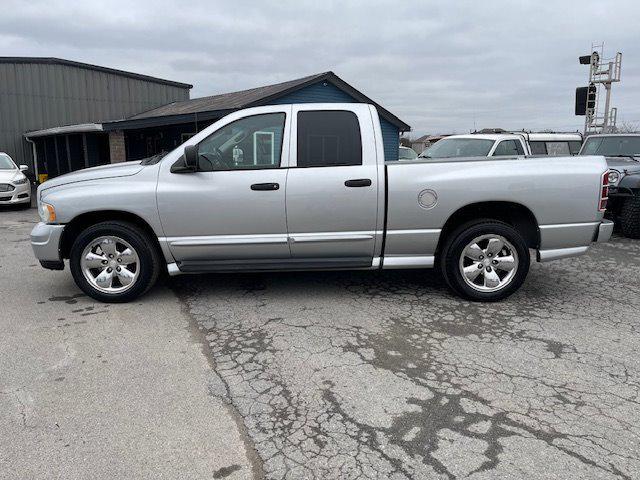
306 186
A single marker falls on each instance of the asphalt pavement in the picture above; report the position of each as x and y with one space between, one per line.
321 375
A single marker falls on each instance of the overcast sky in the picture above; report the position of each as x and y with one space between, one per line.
439 66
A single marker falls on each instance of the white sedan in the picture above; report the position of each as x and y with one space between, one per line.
14 185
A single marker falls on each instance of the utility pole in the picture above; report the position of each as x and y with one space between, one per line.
603 72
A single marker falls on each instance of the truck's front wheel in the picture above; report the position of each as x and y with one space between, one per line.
630 217
114 262
485 260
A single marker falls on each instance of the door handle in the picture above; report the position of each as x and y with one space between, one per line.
358 182
265 186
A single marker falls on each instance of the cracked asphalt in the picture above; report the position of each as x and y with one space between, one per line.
387 375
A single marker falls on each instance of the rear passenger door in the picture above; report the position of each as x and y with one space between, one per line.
332 187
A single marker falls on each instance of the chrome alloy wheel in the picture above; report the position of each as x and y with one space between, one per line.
110 264
488 263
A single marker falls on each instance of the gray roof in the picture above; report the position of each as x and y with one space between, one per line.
88 66
225 101
216 106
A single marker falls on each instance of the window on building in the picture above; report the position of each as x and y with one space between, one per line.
508 147
328 138
249 143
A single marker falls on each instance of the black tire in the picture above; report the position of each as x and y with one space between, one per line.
459 239
630 217
150 264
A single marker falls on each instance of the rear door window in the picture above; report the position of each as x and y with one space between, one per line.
328 139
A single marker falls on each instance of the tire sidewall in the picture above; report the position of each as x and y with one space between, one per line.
462 237
131 235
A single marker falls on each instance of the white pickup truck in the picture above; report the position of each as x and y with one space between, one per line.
501 144
306 186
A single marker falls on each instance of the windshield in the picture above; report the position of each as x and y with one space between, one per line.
458 147
612 146
406 153
6 163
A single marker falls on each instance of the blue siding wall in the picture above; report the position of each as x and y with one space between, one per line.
329 93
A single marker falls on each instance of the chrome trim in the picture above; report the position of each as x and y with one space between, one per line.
331 237
203 241
566 225
558 253
406 261
414 231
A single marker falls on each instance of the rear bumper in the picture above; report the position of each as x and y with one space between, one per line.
45 242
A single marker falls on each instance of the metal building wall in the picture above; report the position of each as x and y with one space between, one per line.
35 96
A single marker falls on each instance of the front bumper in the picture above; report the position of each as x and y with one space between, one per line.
45 242
20 194
604 232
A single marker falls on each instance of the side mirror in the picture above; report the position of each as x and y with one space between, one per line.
191 157
23 168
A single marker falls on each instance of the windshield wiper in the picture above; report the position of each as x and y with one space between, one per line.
424 156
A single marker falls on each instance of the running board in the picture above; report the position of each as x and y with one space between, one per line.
207 266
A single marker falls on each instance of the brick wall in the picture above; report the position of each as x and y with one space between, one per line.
117 151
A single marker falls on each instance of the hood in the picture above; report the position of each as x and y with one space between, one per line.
623 163
10 175
124 169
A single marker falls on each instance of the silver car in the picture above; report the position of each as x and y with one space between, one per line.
15 188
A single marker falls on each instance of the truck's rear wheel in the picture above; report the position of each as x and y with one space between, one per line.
485 260
114 262
630 217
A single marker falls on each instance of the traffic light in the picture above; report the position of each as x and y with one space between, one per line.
585 99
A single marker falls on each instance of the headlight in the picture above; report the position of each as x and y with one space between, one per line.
20 181
47 213
614 177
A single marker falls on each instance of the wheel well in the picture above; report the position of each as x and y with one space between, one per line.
81 222
514 214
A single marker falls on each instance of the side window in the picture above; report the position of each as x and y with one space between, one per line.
508 147
558 148
328 138
538 148
249 143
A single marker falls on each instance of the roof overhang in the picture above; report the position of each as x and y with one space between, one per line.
68 129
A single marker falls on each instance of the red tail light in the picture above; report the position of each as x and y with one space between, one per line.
604 192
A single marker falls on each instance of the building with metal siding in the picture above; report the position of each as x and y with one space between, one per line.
42 93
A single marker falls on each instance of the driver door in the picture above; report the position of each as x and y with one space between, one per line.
231 212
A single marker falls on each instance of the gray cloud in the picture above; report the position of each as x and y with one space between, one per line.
440 66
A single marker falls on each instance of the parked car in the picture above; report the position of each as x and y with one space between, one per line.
406 153
553 143
304 187
499 144
622 152
15 188
478 145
